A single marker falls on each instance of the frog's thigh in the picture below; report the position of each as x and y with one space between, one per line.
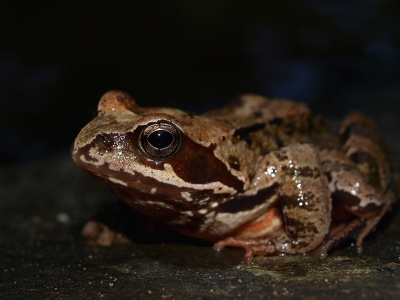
362 144
352 193
349 186
371 183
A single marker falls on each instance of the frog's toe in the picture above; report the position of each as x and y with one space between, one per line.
259 247
248 257
235 242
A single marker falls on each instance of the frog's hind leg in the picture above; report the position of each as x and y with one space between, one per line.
363 145
357 226
359 180
389 199
337 235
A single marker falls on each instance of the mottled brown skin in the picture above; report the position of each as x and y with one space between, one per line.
262 174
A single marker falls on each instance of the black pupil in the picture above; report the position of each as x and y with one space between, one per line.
160 139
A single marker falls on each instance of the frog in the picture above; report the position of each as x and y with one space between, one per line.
263 174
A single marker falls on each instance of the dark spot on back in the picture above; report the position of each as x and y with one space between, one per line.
278 142
289 128
244 132
276 122
258 114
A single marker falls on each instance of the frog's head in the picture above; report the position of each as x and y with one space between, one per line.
155 154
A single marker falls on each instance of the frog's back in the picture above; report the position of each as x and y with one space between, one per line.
251 108
280 119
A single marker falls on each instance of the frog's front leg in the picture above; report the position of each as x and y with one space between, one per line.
298 217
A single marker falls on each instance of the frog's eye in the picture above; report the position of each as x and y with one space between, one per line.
160 140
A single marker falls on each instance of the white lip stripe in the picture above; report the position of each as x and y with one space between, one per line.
129 165
186 196
117 181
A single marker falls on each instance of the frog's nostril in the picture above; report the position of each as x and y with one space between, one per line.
106 140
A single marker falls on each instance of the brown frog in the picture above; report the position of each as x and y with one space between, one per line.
261 174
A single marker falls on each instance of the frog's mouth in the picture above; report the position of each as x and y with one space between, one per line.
141 188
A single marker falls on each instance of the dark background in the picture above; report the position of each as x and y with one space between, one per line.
58 58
